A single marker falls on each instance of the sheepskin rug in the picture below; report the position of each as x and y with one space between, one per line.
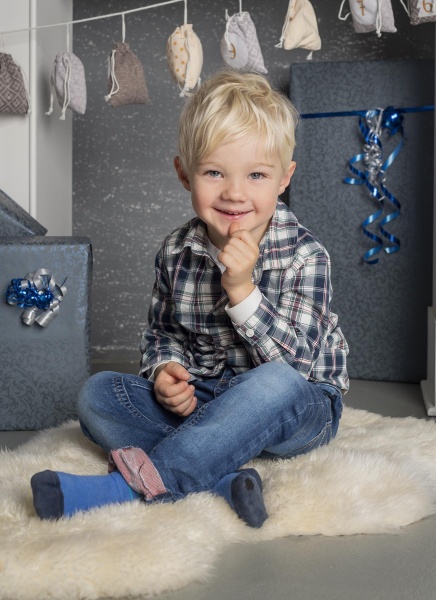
377 476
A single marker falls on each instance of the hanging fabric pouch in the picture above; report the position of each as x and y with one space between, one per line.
185 58
373 15
126 77
240 47
422 11
69 84
13 93
300 29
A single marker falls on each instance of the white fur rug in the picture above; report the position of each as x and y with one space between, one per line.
376 477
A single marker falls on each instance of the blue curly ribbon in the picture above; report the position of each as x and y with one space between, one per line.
372 124
372 127
39 294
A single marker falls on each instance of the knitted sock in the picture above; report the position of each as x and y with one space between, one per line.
57 494
243 491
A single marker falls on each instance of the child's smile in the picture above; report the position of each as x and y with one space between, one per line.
234 216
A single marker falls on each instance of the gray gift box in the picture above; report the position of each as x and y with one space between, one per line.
382 308
43 368
15 221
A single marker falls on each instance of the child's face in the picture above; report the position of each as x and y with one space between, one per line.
236 182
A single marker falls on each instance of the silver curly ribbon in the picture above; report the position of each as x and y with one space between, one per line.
40 294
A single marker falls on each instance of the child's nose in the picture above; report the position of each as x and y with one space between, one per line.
234 190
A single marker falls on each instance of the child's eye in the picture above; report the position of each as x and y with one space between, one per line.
256 175
213 173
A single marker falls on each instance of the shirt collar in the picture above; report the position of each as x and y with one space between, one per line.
196 238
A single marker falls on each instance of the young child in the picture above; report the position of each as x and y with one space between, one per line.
242 357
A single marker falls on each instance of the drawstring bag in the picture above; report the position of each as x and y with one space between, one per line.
373 15
68 82
126 79
300 29
240 47
185 58
422 11
13 94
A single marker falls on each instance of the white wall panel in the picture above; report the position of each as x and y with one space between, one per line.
15 129
36 150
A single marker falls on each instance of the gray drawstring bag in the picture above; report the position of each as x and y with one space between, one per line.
13 94
240 47
126 77
69 84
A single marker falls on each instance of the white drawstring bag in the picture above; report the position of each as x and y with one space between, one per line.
240 47
300 29
185 58
373 15
68 82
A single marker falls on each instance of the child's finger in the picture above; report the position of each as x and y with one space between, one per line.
233 228
182 407
186 409
175 394
244 236
177 371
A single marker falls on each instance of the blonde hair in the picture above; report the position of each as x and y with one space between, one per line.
229 106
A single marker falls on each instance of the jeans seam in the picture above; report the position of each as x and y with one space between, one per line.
183 426
322 434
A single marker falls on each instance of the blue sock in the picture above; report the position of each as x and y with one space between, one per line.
243 491
57 494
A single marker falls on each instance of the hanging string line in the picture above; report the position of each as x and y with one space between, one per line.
117 14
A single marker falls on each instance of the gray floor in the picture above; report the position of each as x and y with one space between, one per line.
372 567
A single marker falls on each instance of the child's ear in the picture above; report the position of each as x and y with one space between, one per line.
287 176
181 174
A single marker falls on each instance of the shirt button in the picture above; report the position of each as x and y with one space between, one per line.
211 263
224 343
249 333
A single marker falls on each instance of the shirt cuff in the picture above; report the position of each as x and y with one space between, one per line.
150 372
244 310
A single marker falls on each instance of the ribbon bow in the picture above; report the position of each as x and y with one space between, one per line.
39 294
372 126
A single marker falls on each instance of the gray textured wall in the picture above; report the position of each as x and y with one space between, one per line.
126 194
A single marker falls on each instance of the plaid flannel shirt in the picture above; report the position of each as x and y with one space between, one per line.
188 323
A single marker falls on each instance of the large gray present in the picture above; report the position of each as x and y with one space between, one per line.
382 307
15 221
43 368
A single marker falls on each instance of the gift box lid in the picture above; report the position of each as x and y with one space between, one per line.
320 87
15 221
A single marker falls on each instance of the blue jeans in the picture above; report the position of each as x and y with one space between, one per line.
270 411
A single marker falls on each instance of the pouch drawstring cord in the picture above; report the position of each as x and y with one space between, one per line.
115 88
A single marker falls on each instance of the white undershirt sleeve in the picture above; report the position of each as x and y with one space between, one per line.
244 310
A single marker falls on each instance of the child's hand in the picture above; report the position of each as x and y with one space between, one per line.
173 391
239 255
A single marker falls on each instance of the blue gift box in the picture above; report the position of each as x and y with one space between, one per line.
382 307
43 368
